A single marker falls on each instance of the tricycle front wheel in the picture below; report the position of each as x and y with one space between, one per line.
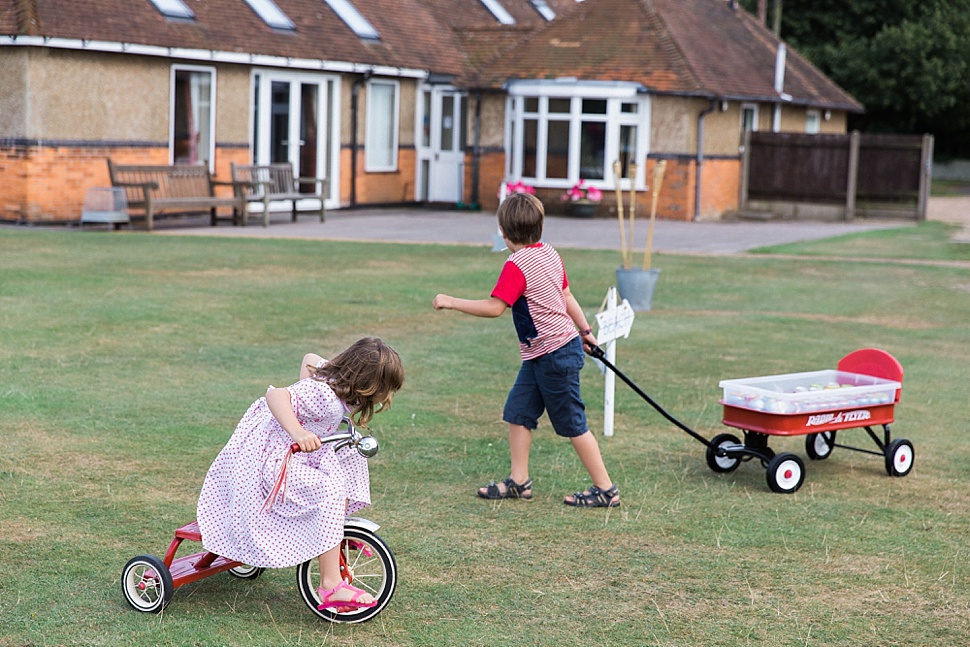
370 566
786 473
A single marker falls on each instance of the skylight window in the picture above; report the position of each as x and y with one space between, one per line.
499 12
544 9
271 14
349 14
173 9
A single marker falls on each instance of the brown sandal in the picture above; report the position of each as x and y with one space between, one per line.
512 490
596 498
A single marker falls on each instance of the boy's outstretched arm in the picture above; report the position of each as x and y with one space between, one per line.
491 307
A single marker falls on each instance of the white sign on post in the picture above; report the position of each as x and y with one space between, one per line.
613 323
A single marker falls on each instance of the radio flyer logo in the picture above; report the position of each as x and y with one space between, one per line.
857 415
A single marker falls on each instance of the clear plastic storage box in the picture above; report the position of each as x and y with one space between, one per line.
795 393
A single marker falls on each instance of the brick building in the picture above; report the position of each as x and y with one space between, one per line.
397 101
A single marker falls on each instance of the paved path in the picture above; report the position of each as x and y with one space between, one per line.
479 228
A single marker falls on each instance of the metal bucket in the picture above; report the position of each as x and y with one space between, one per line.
636 286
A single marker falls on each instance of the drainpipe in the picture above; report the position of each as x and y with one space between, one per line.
354 110
476 149
700 156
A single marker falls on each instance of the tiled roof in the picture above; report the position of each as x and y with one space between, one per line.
695 47
409 37
701 48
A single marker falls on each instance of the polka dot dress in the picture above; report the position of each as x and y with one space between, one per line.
310 521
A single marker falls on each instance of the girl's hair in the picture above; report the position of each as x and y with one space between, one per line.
520 216
365 376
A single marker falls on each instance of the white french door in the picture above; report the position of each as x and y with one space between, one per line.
294 121
441 145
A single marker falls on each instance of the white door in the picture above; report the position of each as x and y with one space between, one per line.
445 133
293 122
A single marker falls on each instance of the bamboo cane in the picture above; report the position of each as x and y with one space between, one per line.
632 174
658 178
619 214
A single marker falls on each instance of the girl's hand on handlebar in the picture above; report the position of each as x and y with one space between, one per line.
308 443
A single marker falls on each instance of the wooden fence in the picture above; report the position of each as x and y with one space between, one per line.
836 176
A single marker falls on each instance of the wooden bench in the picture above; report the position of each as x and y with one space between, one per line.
180 189
268 183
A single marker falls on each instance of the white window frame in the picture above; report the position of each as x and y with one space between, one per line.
499 12
211 148
753 109
374 159
271 14
354 19
174 9
614 95
813 122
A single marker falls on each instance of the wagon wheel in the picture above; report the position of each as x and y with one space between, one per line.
722 464
819 445
147 583
899 457
246 572
786 473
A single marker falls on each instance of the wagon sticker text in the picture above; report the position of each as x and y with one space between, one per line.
838 418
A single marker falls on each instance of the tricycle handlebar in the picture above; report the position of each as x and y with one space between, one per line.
366 446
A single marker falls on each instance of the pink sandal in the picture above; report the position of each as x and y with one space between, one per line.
343 606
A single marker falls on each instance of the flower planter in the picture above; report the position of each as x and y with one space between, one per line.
636 286
583 209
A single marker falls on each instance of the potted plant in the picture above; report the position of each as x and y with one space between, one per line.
583 200
519 186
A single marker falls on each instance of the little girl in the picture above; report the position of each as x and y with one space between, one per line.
322 487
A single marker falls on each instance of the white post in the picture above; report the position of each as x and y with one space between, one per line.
610 380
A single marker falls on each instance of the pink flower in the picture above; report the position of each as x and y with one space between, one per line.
580 191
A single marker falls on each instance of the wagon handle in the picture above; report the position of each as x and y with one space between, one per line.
598 353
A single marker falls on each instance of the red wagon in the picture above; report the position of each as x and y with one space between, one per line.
861 393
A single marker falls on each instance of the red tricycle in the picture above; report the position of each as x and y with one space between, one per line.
365 561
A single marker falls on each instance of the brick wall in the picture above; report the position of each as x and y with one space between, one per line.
46 184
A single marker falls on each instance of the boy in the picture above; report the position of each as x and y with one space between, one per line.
546 316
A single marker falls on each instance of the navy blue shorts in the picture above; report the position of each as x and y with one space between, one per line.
550 383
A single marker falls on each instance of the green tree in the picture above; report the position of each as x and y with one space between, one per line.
907 62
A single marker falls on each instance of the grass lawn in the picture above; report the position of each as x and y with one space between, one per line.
126 360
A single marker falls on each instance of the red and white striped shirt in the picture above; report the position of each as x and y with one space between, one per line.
532 283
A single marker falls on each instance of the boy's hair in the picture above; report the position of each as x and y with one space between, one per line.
520 217
365 376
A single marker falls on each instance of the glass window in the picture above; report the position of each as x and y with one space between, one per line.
628 149
530 147
382 125
813 122
354 19
271 14
192 116
592 150
173 9
749 117
557 150
556 141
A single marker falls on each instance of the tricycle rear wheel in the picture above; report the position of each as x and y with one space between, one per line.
147 583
